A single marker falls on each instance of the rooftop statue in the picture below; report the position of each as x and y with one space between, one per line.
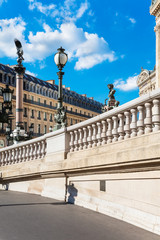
112 103
19 51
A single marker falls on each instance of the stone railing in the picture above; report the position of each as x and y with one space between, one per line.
135 118
26 151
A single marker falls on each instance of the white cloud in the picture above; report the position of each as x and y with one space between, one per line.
31 73
127 85
84 6
132 20
86 49
2 1
10 29
45 9
66 12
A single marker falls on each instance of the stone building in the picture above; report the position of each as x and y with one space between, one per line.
40 102
150 80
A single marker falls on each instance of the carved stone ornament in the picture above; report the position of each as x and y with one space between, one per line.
143 76
154 1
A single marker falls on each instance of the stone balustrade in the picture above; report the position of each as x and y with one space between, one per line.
22 152
135 118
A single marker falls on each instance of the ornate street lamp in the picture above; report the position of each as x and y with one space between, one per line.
60 59
7 94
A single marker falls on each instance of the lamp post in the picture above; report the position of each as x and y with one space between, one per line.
6 113
60 59
19 134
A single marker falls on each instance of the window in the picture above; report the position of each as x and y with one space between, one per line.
9 80
75 121
50 104
45 116
1 77
103 186
39 100
32 113
39 115
80 112
25 97
76 110
25 126
39 129
25 112
44 102
32 98
71 109
50 117
45 129
71 121
88 114
5 78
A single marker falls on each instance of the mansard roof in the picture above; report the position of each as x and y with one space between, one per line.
10 70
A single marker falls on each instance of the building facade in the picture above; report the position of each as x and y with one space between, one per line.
150 80
40 103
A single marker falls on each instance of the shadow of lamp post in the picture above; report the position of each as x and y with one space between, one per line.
60 59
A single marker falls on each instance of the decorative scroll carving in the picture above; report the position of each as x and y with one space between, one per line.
144 75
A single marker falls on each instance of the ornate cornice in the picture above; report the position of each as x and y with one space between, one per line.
19 69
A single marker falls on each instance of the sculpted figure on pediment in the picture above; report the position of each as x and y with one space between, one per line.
142 76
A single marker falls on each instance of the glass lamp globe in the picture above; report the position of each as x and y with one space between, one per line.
60 58
7 94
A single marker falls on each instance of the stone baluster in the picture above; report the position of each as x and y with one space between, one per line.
16 155
148 118
121 127
35 149
109 130
85 145
8 160
133 125
20 154
32 151
127 125
72 142
39 150
94 135
89 139
43 149
156 115
3 158
0 158
99 141
104 130
80 141
6 157
76 140
23 153
115 129
140 122
13 160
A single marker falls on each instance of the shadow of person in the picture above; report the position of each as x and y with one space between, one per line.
73 192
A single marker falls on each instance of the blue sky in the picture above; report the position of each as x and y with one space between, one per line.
106 41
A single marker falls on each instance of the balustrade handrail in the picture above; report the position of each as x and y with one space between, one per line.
125 107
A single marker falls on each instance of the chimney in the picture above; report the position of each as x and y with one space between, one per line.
51 81
84 95
91 98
